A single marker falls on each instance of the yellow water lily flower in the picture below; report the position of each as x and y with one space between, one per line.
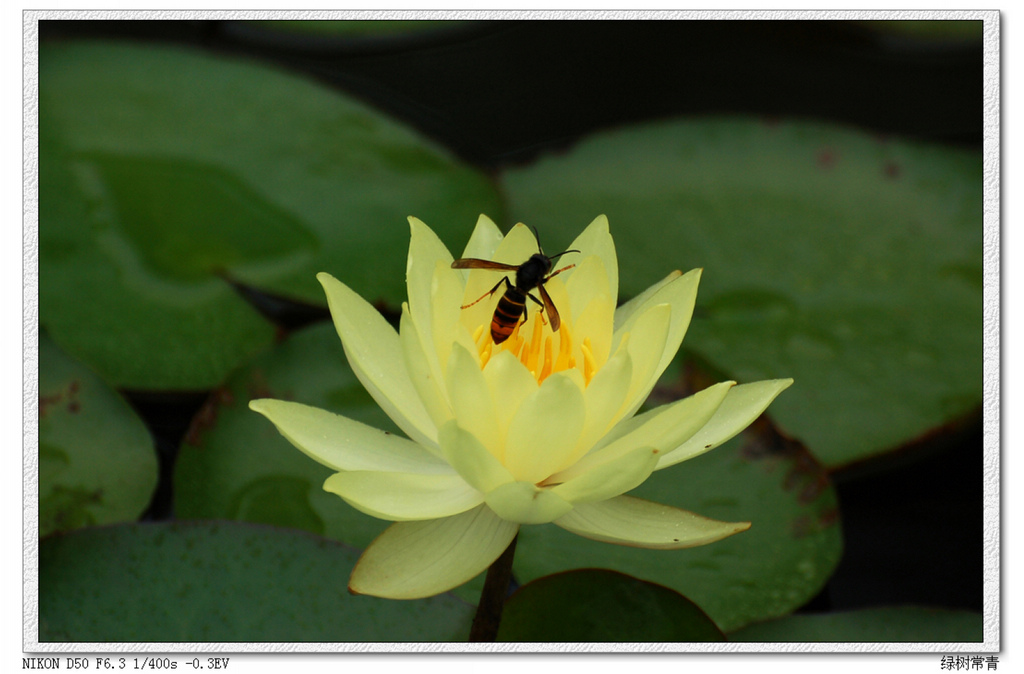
537 429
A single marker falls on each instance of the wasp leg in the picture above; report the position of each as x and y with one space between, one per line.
504 279
525 316
530 295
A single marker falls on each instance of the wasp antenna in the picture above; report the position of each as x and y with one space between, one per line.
536 235
555 257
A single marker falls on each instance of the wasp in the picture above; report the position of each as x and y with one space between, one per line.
533 273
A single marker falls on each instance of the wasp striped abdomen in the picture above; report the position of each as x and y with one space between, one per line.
510 309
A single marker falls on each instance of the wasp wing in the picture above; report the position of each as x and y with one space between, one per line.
473 263
549 308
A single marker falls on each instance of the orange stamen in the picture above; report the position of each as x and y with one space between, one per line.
564 348
545 371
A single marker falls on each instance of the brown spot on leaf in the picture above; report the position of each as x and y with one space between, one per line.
891 170
70 394
802 475
46 402
226 396
827 158
813 488
801 526
206 417
828 517
258 387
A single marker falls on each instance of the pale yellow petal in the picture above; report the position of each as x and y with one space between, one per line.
741 406
647 338
510 384
593 326
610 479
626 520
604 398
470 459
576 377
484 241
374 352
546 429
429 385
517 246
588 280
596 240
404 496
425 252
679 293
411 560
341 443
446 298
626 311
664 428
471 399
607 391
525 503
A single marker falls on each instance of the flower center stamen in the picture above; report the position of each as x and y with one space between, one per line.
537 352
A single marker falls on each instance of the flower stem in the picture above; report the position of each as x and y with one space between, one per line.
492 598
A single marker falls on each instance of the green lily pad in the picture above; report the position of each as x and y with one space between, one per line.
220 582
97 463
592 605
166 174
906 624
235 465
781 562
851 263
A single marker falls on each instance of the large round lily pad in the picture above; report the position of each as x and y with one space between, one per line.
221 582
97 464
597 605
166 174
851 263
